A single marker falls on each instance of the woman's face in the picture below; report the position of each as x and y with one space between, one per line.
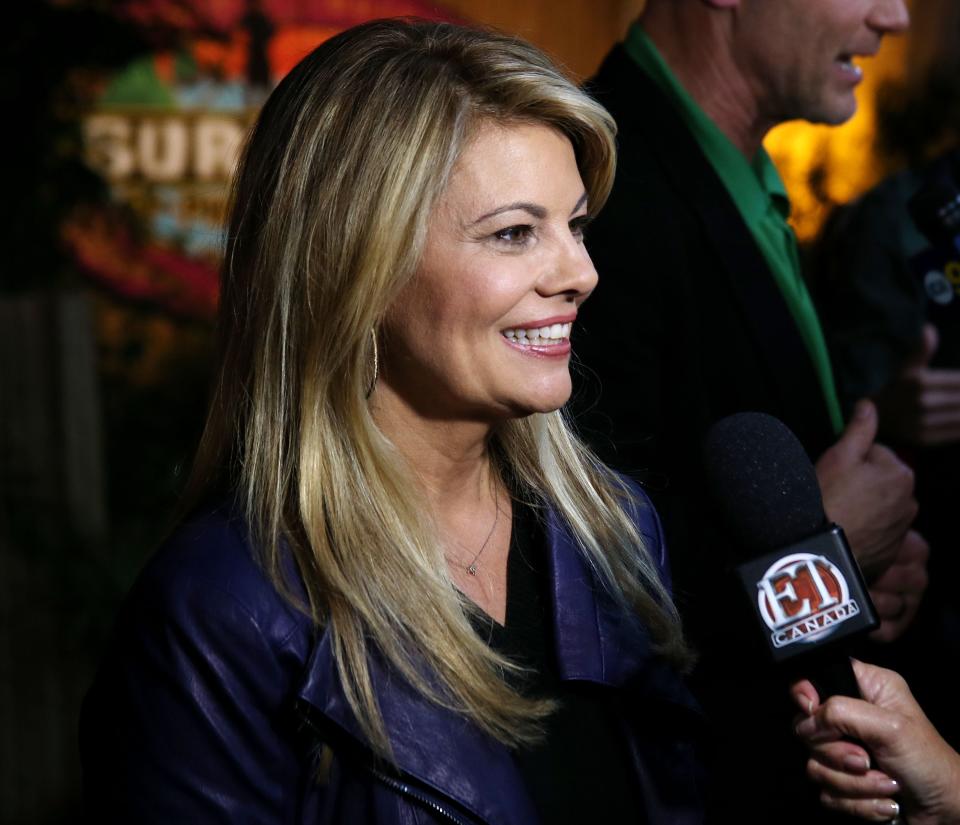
482 332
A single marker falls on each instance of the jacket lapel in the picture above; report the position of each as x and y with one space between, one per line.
595 642
598 642
432 745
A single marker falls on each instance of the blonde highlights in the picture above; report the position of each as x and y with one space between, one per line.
329 217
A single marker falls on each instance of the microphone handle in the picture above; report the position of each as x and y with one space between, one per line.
829 671
831 674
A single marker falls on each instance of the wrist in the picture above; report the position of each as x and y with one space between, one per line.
951 807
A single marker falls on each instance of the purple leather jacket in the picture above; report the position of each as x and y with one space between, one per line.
219 702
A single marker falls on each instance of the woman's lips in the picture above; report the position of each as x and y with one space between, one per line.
547 340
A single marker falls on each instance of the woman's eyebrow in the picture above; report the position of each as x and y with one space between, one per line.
534 209
580 204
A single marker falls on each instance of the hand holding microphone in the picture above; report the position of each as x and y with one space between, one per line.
911 758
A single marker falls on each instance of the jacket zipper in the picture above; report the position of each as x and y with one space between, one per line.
403 788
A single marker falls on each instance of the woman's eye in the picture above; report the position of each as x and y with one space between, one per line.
578 226
515 235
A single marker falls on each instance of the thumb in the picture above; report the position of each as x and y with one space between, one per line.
857 439
929 341
882 687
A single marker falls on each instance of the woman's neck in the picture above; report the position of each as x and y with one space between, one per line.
450 457
467 501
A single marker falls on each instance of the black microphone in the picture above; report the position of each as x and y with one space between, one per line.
935 206
803 585
935 210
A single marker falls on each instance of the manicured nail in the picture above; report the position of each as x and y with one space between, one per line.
856 764
887 808
810 730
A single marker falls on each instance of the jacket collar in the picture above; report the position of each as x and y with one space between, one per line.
595 642
648 122
453 757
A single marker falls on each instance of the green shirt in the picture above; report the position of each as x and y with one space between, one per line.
760 197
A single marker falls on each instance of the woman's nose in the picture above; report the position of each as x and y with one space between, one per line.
571 272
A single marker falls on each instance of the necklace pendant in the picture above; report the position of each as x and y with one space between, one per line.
472 569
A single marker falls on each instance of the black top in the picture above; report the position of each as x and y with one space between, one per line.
580 771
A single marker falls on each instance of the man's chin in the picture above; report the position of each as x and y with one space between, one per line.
836 111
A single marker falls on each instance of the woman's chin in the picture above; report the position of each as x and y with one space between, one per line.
546 402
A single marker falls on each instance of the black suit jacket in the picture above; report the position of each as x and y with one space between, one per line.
687 325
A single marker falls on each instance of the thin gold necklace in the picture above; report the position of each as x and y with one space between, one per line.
472 567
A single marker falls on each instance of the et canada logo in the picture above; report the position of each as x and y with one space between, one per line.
804 597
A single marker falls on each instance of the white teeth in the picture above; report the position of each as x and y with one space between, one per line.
555 333
847 64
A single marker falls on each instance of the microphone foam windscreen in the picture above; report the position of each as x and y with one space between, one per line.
762 482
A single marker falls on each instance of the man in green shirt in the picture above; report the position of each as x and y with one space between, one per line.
701 312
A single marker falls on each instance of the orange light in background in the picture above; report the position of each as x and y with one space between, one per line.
827 165
291 44
228 57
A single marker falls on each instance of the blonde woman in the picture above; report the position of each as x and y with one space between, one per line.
405 592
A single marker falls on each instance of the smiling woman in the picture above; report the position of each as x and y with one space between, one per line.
483 329
403 591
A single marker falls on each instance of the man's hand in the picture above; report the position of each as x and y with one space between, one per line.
922 404
899 590
868 491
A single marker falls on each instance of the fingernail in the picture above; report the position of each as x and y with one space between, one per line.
856 764
887 808
809 707
891 786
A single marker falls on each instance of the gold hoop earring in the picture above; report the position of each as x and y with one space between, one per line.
376 364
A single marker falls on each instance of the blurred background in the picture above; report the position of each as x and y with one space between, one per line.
124 122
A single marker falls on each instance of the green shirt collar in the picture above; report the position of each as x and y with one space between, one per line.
753 185
761 199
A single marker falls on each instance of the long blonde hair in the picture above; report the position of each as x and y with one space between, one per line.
329 216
